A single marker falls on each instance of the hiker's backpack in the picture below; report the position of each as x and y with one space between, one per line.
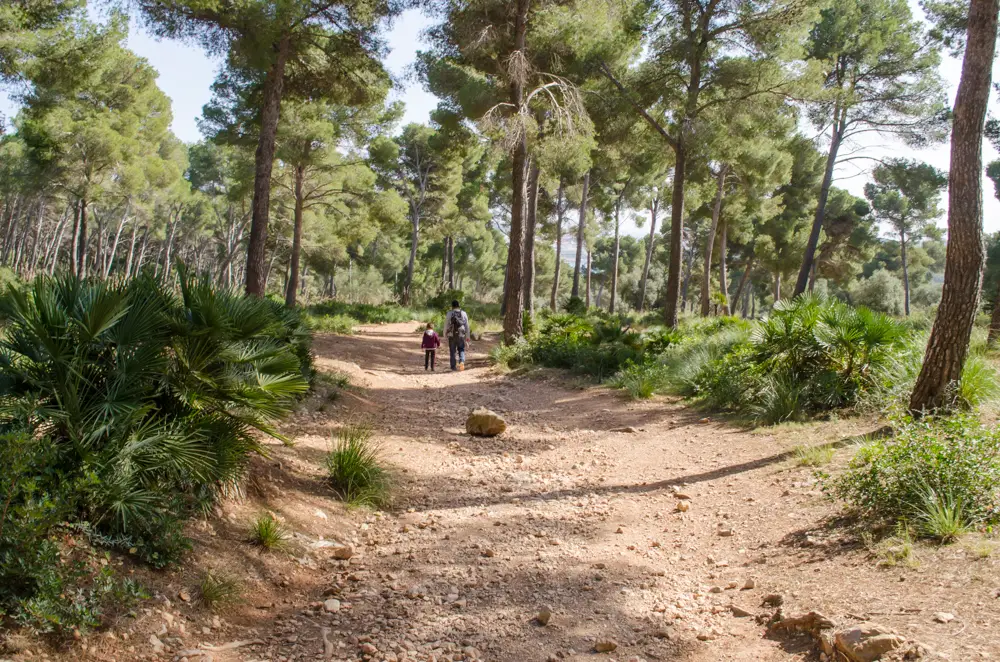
456 327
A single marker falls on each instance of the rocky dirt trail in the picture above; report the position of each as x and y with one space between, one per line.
640 530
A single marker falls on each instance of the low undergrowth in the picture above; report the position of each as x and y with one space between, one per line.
808 358
125 408
941 475
355 470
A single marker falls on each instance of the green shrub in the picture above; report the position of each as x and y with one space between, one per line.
882 291
339 324
942 517
267 533
808 356
355 470
508 356
45 584
979 383
640 380
130 407
952 461
217 590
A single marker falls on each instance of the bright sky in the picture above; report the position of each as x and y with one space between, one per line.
186 75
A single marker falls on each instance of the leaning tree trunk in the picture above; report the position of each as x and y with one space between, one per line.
293 266
839 123
723 274
706 276
513 322
575 293
559 236
745 276
273 89
906 273
451 263
676 232
653 208
74 240
963 272
81 246
414 237
615 256
529 238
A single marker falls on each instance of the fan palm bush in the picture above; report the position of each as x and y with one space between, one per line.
809 356
151 401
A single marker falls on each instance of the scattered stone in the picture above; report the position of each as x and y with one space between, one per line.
750 585
489 553
682 496
944 617
157 645
605 645
544 616
773 600
342 553
332 606
867 643
682 506
184 595
620 530
715 589
811 622
626 430
704 420
725 533
739 612
485 423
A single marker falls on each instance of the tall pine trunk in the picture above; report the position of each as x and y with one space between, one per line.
81 245
575 292
559 237
906 273
293 267
653 209
676 235
615 256
414 237
273 89
587 302
451 263
514 298
745 277
534 173
723 272
963 272
839 125
706 277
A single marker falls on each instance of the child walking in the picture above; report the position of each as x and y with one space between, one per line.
429 344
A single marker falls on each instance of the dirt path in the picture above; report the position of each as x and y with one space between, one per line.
574 510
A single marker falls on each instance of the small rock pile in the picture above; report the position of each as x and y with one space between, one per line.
866 642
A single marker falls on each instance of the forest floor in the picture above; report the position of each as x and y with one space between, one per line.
573 510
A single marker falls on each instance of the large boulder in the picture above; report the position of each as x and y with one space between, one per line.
867 643
485 423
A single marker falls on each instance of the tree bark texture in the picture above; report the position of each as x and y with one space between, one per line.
706 276
948 344
534 173
274 87
580 237
653 209
293 263
839 120
514 298
559 235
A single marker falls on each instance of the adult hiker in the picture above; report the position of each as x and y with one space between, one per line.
456 329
